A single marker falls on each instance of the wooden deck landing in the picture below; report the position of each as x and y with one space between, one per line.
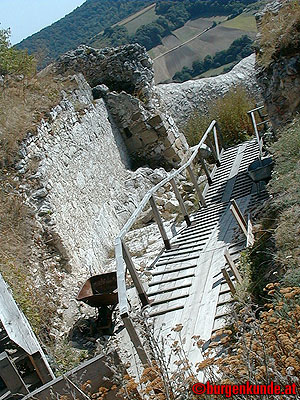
187 285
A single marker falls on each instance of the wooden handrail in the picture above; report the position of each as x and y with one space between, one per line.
119 241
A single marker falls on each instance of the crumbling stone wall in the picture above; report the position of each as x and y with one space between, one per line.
123 77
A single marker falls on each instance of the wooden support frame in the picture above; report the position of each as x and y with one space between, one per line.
136 280
258 138
207 173
214 151
217 146
228 280
234 208
250 236
136 340
181 202
40 368
195 183
232 266
11 377
160 224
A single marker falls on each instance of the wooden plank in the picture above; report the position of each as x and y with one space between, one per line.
40 368
250 236
168 290
160 224
228 280
11 377
196 186
239 217
17 326
232 266
136 341
181 202
134 275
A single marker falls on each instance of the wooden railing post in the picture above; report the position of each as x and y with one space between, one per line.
207 173
259 140
217 146
232 266
181 203
160 224
195 183
214 152
220 136
250 237
138 345
239 217
228 280
136 280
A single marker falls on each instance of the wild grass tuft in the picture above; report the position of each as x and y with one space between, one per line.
231 114
280 33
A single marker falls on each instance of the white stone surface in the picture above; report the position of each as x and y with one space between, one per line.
180 99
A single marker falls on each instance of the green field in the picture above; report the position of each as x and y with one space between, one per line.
214 72
244 22
142 19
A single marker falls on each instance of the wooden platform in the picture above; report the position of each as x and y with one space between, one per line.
187 285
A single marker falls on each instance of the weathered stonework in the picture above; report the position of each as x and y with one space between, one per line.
123 77
126 68
181 99
151 137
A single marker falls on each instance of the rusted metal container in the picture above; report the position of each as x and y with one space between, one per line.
100 290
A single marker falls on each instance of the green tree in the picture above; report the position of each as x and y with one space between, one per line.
13 61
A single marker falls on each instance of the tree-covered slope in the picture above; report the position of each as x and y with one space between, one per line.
79 27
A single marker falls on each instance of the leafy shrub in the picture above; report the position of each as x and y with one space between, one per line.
231 114
13 61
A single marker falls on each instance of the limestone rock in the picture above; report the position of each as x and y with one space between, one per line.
180 99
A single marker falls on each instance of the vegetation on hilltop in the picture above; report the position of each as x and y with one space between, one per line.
12 60
79 27
84 23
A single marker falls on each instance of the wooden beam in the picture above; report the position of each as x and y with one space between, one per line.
181 202
207 173
17 326
220 136
259 140
210 145
250 236
217 146
136 340
195 183
232 266
11 377
160 224
136 280
41 368
239 217
228 280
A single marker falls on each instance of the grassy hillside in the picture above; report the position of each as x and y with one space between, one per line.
175 32
79 27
